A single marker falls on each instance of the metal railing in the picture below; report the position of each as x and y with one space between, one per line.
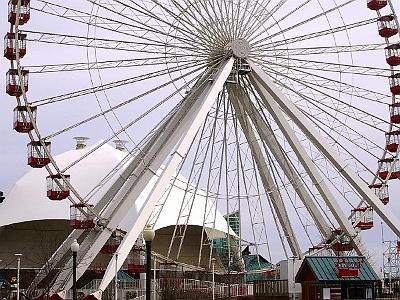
166 286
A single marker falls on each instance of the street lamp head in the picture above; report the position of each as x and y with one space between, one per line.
75 246
18 255
149 233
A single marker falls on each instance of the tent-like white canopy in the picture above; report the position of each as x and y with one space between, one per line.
27 201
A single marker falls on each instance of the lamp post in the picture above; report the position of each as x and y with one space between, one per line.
116 276
18 255
74 249
213 278
148 236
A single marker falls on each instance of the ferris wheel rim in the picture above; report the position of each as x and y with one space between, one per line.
27 104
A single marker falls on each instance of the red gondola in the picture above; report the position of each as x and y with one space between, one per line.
398 246
381 191
385 165
37 156
136 260
395 84
57 187
22 121
392 141
344 242
387 26
13 85
376 4
10 49
364 217
24 14
81 216
393 54
395 113
113 242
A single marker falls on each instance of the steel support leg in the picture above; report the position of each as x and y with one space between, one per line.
182 134
308 164
267 135
265 173
343 168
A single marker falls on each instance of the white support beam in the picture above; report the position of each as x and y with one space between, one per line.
267 135
311 169
190 126
236 96
343 168
142 170
122 178
181 133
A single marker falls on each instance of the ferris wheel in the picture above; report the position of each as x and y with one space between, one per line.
286 113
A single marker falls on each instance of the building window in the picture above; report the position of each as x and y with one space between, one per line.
326 293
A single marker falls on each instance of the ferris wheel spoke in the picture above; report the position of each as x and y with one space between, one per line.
295 10
141 9
241 19
213 24
82 41
185 25
110 64
190 192
358 118
122 104
186 21
356 141
332 179
118 8
340 165
317 50
114 135
208 30
305 159
281 182
324 85
218 11
252 209
335 85
269 142
354 137
262 45
323 14
106 23
268 181
262 213
358 138
108 86
246 19
254 28
229 17
209 152
296 63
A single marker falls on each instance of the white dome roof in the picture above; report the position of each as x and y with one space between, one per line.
27 201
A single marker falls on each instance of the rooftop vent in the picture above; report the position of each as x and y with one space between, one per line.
81 142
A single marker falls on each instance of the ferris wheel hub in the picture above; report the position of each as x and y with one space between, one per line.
241 48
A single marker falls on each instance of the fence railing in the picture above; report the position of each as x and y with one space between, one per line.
167 286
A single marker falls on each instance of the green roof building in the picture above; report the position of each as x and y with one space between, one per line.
332 277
